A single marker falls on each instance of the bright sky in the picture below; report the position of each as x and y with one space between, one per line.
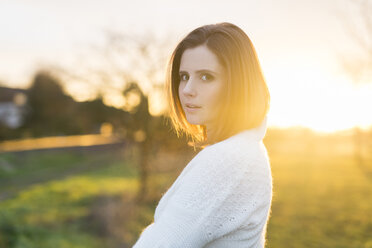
298 43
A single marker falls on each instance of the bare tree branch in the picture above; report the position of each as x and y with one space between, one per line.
121 59
359 66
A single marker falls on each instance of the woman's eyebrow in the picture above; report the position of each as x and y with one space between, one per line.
200 71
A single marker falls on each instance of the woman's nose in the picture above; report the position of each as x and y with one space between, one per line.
189 88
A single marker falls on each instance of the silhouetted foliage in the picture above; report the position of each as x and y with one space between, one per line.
91 114
51 111
143 130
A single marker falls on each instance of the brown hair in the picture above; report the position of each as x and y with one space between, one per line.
247 98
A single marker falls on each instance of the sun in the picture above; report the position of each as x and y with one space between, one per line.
317 100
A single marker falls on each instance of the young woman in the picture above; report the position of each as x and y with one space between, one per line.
218 96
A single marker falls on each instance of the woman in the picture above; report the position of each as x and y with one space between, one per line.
219 98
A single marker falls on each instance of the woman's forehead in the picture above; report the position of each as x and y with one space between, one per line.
199 58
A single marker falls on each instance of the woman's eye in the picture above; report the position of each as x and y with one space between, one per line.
206 77
184 77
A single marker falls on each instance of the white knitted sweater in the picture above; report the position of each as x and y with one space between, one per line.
222 198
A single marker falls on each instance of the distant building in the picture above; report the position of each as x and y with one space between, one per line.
12 106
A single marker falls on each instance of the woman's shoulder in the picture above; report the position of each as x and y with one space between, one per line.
232 156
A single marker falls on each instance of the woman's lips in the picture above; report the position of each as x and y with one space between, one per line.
192 105
191 108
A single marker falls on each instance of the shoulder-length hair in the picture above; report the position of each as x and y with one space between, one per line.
247 98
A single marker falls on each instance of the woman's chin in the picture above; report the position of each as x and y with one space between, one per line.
193 121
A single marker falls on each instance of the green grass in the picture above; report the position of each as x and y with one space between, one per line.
52 214
19 171
35 164
320 200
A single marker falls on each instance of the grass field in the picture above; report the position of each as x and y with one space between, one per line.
322 197
56 211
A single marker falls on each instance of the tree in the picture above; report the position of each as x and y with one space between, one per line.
50 110
359 65
132 67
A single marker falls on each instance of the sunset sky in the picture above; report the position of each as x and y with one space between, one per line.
299 45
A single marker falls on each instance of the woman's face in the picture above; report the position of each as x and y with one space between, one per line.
201 84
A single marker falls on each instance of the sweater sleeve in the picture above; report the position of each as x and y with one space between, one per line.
222 193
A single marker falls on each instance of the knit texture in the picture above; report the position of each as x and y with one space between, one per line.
222 198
